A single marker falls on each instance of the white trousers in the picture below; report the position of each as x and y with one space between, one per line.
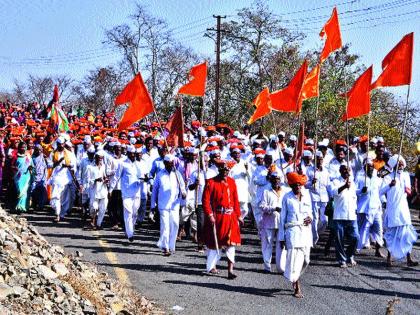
169 224
319 219
62 198
297 259
244 209
213 258
98 207
268 237
131 206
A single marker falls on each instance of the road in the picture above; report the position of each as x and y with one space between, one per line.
179 281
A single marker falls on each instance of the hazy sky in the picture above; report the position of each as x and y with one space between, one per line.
55 37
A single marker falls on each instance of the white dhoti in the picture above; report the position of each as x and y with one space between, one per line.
297 259
131 206
400 240
370 225
98 207
169 224
186 211
213 257
56 198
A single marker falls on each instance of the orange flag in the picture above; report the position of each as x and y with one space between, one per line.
175 126
311 85
301 142
331 31
358 98
197 84
263 106
396 66
289 99
140 102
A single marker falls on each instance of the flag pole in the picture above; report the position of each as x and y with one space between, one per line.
316 121
367 150
402 131
297 143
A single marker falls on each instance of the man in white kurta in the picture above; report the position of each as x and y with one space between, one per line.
270 206
369 207
295 231
128 174
168 190
82 178
97 180
61 179
400 234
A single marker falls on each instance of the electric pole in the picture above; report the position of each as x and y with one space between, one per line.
218 31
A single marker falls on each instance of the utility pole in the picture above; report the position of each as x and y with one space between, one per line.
218 31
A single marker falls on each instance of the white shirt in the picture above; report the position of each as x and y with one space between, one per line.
345 203
397 212
211 172
96 190
61 175
192 193
241 175
269 202
129 176
369 202
319 191
167 190
111 169
293 213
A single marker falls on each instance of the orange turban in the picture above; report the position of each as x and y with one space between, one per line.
295 178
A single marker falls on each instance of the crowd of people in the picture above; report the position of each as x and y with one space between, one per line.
356 193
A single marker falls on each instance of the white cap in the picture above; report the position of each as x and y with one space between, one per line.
374 140
380 139
292 138
319 154
131 149
236 134
169 158
326 141
309 142
322 143
91 149
275 174
133 140
274 138
288 151
139 150
282 133
307 153
131 134
100 153
61 140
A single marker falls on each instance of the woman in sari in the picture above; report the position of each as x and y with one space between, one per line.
22 177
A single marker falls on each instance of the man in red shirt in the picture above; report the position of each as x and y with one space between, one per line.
222 218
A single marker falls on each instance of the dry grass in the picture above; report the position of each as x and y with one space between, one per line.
390 307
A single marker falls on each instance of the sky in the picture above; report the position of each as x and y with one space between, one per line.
49 37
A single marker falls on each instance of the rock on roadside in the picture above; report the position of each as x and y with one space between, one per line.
39 278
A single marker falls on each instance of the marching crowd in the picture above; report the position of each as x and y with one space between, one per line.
356 192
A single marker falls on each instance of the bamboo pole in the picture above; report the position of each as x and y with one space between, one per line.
402 131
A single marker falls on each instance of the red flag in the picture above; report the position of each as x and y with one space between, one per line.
397 65
331 31
263 106
289 99
140 102
311 85
197 84
55 94
175 126
358 98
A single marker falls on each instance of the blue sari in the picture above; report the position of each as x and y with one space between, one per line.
22 181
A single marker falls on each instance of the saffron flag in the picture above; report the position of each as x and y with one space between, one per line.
311 85
175 126
289 99
263 106
140 102
358 98
197 81
397 65
56 115
331 31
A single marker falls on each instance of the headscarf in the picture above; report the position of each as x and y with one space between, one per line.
295 178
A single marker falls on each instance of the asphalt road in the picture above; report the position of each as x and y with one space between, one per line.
179 280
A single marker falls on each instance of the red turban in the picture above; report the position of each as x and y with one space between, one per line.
363 139
295 178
